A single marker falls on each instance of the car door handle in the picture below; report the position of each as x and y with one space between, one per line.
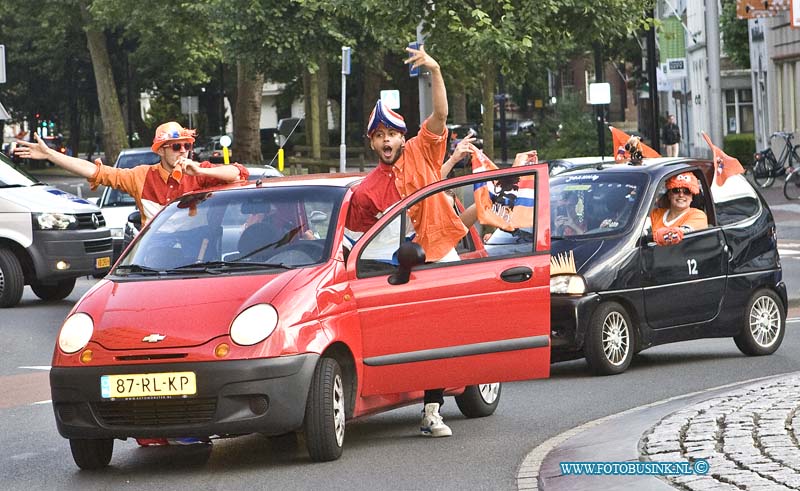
517 275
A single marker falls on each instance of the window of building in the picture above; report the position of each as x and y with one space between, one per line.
739 116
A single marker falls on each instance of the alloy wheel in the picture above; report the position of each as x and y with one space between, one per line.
615 338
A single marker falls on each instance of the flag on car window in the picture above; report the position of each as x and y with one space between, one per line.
724 165
506 203
522 214
620 139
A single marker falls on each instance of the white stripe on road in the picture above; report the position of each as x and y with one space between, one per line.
49 401
792 319
37 367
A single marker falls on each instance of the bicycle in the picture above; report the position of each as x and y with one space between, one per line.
791 186
766 167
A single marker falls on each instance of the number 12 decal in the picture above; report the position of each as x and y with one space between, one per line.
692 264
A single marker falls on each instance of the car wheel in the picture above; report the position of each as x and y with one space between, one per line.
12 280
91 454
764 325
52 292
479 401
325 416
609 340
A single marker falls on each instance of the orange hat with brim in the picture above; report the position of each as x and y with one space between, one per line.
171 132
686 180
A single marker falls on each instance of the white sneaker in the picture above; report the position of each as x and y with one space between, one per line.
432 423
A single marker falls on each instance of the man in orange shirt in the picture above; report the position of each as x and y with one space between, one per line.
669 224
152 186
404 167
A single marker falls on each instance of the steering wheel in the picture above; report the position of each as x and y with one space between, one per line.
298 253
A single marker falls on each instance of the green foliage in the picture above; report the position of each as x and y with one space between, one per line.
740 145
734 35
578 134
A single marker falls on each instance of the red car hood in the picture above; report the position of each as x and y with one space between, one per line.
186 311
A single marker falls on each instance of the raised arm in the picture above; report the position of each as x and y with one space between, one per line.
437 121
39 151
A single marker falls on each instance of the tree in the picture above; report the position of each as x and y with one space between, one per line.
736 42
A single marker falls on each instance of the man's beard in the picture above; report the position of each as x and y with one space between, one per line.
393 158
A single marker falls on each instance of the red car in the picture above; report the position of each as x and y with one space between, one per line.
252 309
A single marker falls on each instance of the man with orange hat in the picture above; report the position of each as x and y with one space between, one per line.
670 223
404 167
152 186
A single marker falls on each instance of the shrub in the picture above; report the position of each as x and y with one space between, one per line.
740 145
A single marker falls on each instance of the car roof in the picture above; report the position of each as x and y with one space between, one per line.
656 167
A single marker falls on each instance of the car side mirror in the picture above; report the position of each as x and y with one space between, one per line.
408 256
136 219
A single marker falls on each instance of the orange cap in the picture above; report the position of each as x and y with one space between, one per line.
686 180
171 132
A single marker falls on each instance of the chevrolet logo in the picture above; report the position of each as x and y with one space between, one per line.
153 338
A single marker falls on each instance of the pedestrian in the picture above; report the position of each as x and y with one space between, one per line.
152 186
671 134
404 167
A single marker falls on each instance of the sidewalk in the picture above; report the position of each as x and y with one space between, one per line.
746 432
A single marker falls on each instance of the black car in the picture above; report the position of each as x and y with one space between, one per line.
614 292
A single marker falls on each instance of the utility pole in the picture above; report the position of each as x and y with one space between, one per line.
424 80
712 55
599 108
652 63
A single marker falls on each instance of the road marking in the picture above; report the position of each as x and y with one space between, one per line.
792 319
528 471
789 252
37 367
793 207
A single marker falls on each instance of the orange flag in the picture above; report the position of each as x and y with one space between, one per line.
620 138
489 212
724 165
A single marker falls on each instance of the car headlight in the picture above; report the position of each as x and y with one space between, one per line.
117 233
254 324
54 221
75 333
567 284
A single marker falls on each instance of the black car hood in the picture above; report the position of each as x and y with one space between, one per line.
582 250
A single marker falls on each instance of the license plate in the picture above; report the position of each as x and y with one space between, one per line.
102 262
148 385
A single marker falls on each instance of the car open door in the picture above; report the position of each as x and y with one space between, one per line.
477 320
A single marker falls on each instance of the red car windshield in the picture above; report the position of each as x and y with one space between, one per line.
239 228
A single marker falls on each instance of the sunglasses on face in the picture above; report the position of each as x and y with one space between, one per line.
677 191
176 147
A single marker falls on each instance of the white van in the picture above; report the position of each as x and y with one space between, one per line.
48 238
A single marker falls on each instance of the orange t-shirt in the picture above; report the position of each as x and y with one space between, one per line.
437 226
692 218
152 186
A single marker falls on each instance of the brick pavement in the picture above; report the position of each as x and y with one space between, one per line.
748 436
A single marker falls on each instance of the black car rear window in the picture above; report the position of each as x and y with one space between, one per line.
735 201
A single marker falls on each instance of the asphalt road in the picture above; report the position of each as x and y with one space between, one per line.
381 451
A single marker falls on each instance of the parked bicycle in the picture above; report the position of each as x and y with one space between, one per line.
791 186
766 167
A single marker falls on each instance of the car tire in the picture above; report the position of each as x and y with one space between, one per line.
91 454
325 412
12 279
609 344
763 326
479 401
54 292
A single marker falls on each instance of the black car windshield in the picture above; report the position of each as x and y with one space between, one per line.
238 230
590 203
